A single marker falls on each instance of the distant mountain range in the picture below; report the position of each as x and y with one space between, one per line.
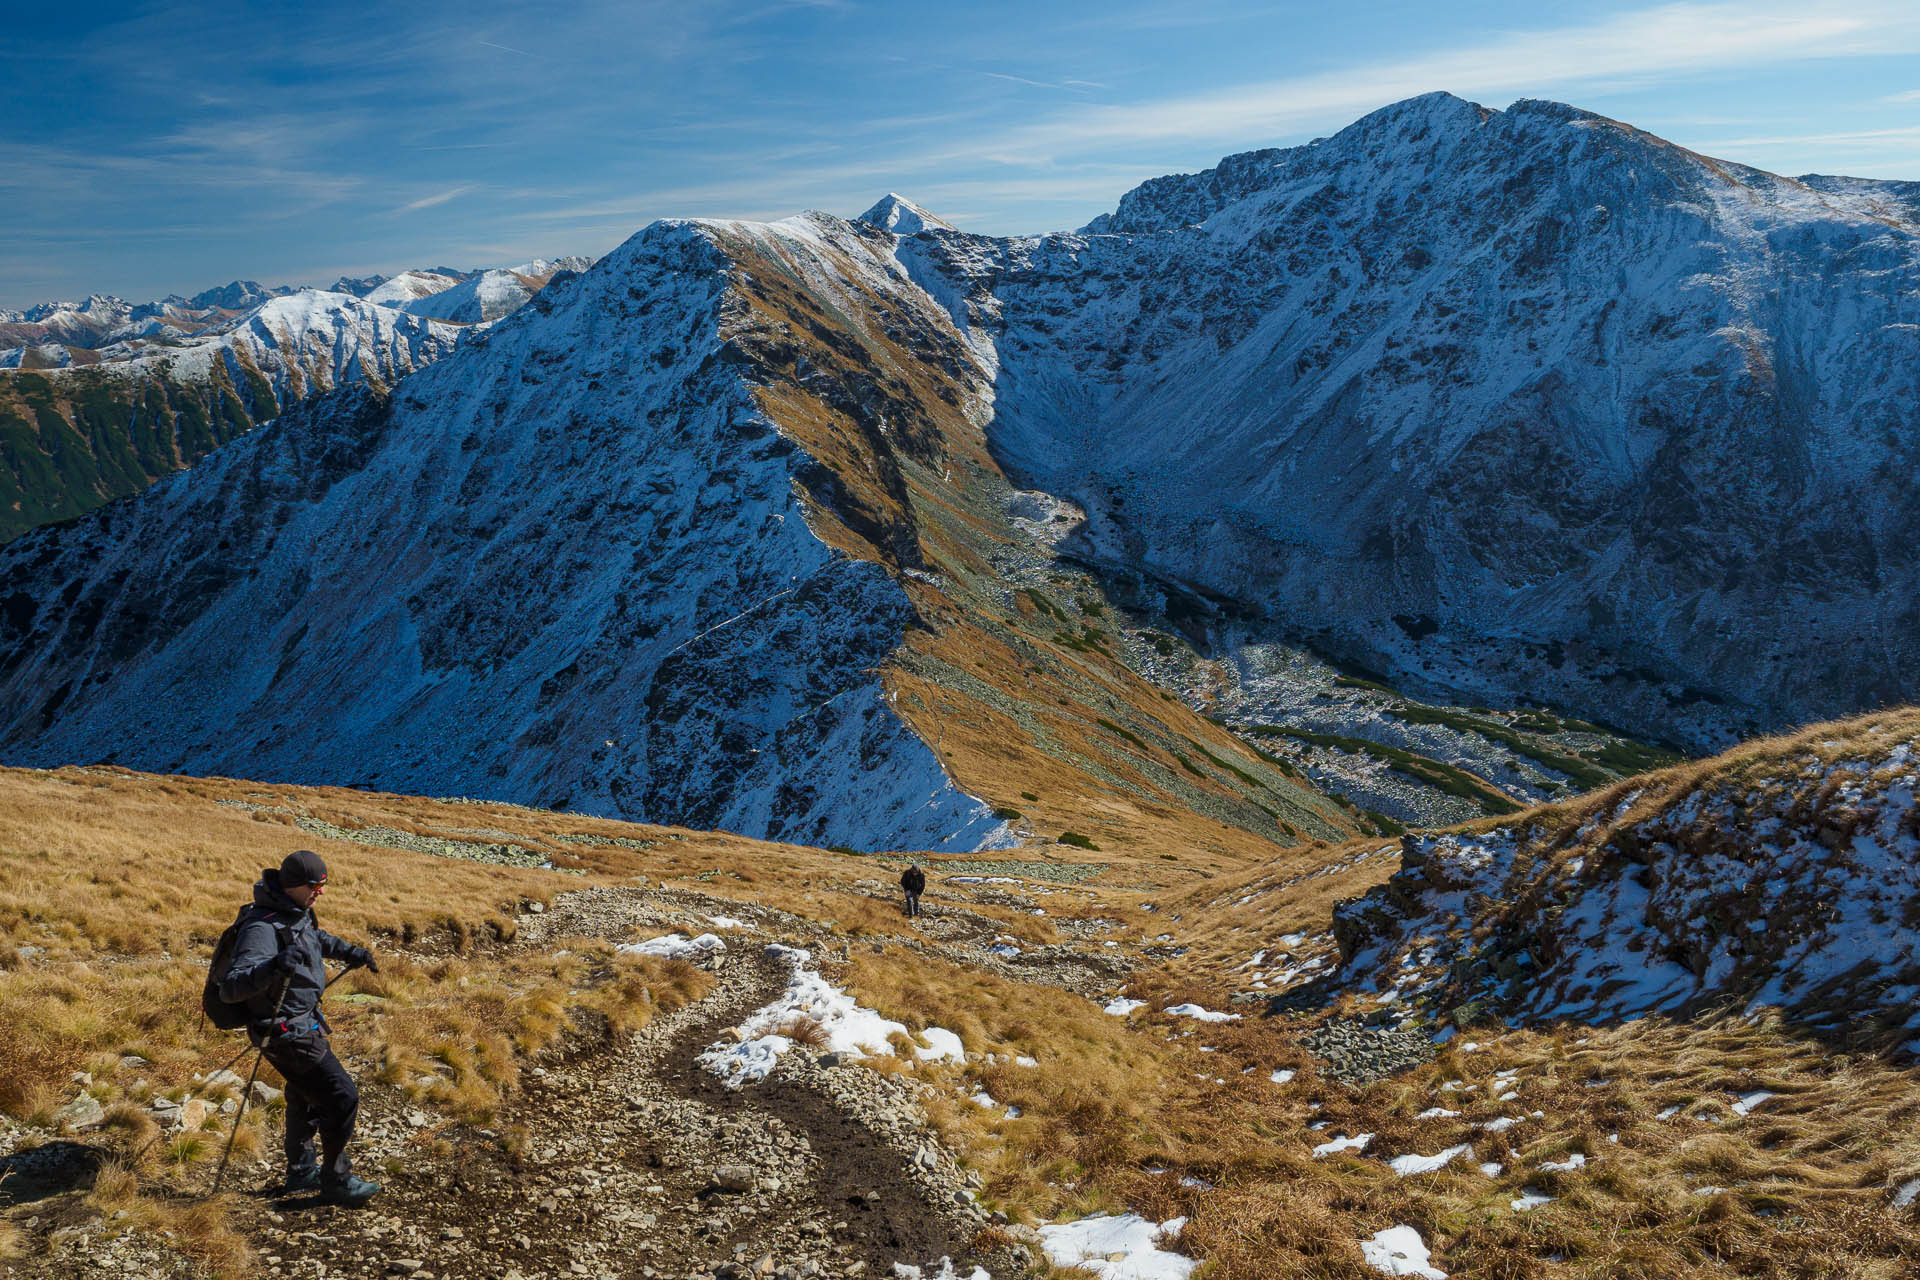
821 530
99 398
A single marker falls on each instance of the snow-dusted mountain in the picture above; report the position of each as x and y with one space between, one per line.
903 217
56 334
703 535
1518 404
487 295
721 531
91 378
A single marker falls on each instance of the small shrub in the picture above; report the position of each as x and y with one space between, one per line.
802 1029
1007 813
185 1150
1113 728
1078 841
1028 795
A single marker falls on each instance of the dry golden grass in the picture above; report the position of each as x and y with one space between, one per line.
1807 1176
198 1227
114 885
455 1031
1118 1111
1121 1111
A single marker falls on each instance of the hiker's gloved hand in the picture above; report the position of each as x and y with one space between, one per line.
285 960
361 958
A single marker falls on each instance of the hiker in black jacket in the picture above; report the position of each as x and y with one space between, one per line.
914 881
278 972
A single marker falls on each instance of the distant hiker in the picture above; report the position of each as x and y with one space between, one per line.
277 971
914 881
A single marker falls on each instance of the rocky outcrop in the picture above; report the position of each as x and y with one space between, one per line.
1785 876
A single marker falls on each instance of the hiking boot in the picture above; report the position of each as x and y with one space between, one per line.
352 1193
302 1182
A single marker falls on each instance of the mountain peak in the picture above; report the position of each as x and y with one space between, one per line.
903 217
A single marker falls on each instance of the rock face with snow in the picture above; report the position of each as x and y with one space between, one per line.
903 217
1516 404
1785 876
485 296
570 565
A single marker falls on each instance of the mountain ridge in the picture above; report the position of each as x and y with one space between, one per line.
1235 418
104 399
1487 371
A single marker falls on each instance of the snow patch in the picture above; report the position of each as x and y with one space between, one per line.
677 946
1200 1014
906 1271
847 1028
1117 1247
1399 1251
1356 1143
942 1046
1408 1165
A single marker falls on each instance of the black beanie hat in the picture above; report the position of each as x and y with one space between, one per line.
303 866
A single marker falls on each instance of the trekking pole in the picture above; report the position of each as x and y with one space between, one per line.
247 1094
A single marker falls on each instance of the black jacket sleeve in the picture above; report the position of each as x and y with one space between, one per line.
333 948
251 969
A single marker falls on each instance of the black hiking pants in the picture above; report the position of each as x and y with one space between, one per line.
322 1100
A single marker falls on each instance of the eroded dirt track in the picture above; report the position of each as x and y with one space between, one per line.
633 1160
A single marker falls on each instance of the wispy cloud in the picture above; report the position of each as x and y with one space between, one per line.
438 198
1847 140
505 48
1067 85
1668 40
1910 95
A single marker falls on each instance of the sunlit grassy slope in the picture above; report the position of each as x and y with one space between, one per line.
113 885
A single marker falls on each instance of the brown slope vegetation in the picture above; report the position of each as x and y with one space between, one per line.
1724 1143
112 883
1028 704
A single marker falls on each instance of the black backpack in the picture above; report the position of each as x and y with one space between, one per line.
221 1013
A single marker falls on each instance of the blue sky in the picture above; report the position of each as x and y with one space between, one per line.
159 148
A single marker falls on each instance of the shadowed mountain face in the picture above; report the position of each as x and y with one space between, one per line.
657 544
1521 404
571 567
1525 404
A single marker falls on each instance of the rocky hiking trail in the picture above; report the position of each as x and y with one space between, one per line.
640 1162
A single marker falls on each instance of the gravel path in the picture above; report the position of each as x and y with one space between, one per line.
640 1163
